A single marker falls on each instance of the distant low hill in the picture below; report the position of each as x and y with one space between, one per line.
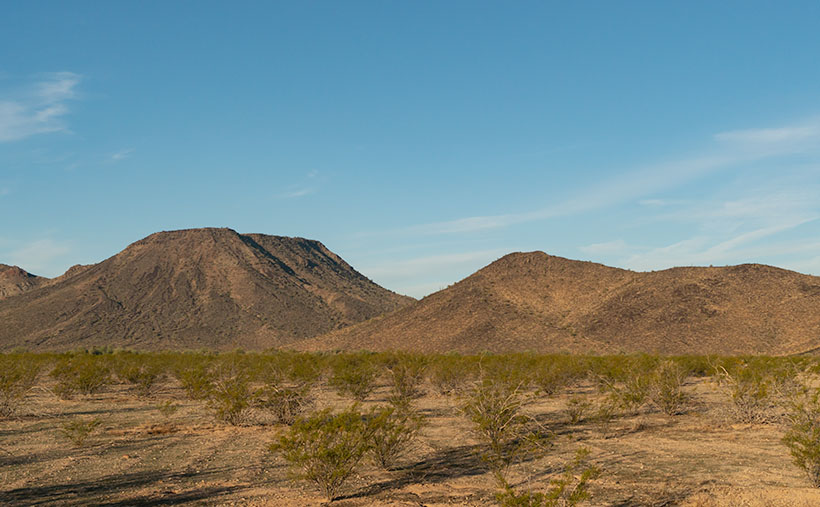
196 288
537 302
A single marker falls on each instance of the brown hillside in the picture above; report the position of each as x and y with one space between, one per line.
196 288
14 280
537 302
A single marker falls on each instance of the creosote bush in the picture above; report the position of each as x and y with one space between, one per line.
803 436
80 373
405 373
18 372
78 430
140 370
326 448
392 433
230 393
569 489
354 375
666 388
494 407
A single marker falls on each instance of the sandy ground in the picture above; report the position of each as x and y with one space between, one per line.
140 457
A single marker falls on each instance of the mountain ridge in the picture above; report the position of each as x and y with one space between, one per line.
537 302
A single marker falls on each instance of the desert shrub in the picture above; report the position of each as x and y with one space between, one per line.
167 408
18 373
803 435
304 370
353 375
666 388
405 374
748 390
230 393
326 448
78 430
578 408
571 488
448 374
555 373
194 375
80 373
392 433
629 393
285 403
142 371
494 407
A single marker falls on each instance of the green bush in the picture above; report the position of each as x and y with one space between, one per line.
78 430
405 374
803 436
494 407
577 408
666 388
80 373
354 375
18 373
392 432
326 448
194 374
230 393
285 403
449 374
569 489
142 371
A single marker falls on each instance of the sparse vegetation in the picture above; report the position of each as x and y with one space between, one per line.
18 372
666 388
392 432
326 448
78 429
81 373
528 413
354 376
803 435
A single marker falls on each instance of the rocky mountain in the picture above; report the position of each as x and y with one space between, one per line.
15 280
196 288
537 302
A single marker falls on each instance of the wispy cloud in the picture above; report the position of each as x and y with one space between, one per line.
424 265
733 148
297 192
38 256
39 109
419 276
310 185
627 187
122 154
609 247
772 136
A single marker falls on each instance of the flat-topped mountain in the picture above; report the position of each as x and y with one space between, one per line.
537 302
196 288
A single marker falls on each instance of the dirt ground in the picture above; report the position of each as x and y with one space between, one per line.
141 457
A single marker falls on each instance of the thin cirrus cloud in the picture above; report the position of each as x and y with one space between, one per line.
297 192
732 148
38 256
122 154
39 109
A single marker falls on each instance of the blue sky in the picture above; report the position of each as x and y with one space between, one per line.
419 140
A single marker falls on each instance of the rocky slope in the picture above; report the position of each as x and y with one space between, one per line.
537 302
197 288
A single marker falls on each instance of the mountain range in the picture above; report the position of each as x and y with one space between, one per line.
219 289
